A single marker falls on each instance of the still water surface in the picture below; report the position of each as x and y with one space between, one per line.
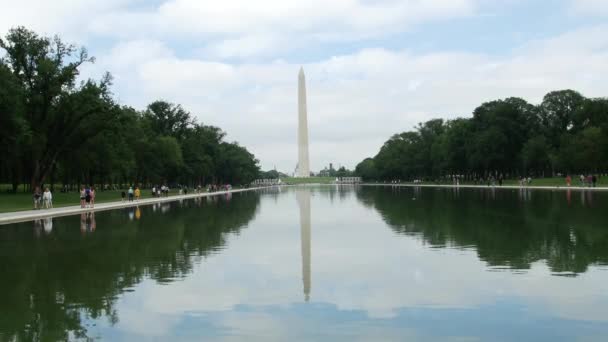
316 263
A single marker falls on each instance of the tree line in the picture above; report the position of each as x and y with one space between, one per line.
57 129
565 134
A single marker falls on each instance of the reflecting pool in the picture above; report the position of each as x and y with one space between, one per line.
316 263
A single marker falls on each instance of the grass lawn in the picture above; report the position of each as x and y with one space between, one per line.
24 201
310 180
557 181
551 181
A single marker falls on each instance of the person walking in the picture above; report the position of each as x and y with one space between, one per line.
137 193
123 194
83 196
568 180
594 180
93 194
47 198
37 197
130 192
87 197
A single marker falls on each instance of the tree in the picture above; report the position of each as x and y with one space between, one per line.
236 165
57 112
457 136
535 155
53 128
499 132
271 174
565 133
367 169
398 157
592 113
429 153
168 119
558 113
13 132
200 148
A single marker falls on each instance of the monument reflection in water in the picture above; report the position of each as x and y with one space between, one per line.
390 263
303 197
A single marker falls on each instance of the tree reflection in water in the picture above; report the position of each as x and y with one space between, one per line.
511 228
52 283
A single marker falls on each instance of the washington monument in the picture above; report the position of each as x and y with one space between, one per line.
303 161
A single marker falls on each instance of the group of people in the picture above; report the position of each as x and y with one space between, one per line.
586 181
214 187
43 199
160 191
525 181
131 193
87 197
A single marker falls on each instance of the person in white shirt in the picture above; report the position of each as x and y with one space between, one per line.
47 198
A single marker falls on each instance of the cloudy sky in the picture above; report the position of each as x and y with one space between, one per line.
373 67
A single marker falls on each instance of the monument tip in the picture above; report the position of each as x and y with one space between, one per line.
301 71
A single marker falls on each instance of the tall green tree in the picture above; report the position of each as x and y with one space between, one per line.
236 165
58 113
367 169
168 119
558 113
13 131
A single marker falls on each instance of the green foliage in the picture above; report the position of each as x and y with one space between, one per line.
236 164
272 174
566 133
52 128
367 169
535 154
309 180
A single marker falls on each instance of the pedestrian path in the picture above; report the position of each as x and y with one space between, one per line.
513 187
29 215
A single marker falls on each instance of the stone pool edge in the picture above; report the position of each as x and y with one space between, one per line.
30 215
506 187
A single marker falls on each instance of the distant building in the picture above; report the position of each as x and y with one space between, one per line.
324 172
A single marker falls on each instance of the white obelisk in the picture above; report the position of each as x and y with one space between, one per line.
303 161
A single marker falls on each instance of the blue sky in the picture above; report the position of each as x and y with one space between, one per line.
373 68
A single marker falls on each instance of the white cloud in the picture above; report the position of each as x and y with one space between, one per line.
242 28
66 17
250 45
243 16
357 99
593 7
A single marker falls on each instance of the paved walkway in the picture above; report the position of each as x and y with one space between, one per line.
29 215
512 187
